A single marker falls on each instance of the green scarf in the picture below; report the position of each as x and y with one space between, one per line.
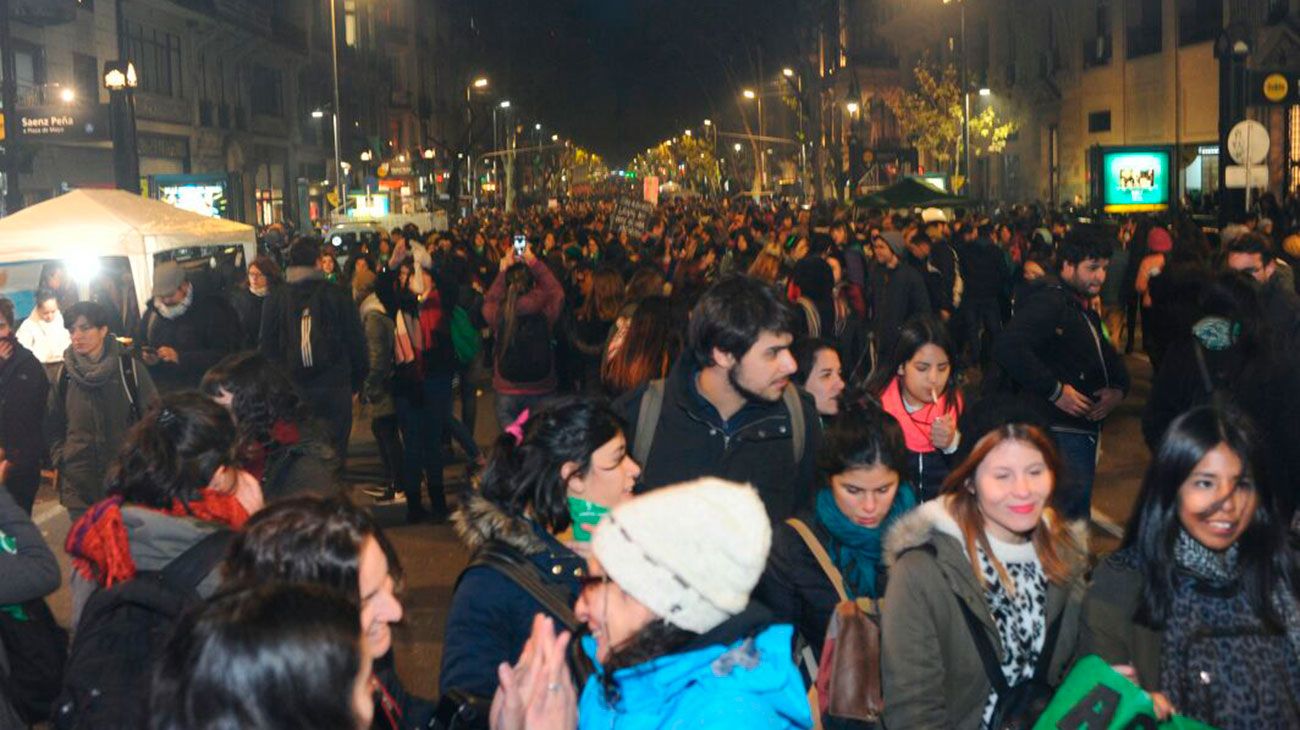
857 550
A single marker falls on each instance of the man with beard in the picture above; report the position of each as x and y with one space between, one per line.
183 332
1054 353
728 408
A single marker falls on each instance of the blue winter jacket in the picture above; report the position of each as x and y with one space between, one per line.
750 683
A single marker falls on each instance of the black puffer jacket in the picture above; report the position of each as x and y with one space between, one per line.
23 390
1053 340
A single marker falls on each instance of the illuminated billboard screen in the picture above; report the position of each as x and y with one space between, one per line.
202 194
1134 180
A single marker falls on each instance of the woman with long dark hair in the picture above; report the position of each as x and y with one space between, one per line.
820 373
988 562
522 308
588 329
332 543
1200 601
917 385
274 657
560 467
176 479
652 343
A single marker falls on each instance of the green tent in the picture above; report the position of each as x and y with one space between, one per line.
911 192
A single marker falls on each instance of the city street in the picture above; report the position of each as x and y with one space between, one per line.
432 557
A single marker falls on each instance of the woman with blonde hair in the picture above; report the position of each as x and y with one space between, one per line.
766 266
985 576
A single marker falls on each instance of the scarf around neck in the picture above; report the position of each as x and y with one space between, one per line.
94 374
100 546
857 550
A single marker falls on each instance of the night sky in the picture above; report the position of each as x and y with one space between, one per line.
617 76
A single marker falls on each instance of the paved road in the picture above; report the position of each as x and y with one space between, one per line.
432 557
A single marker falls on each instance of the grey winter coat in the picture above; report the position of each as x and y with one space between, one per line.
931 669
87 420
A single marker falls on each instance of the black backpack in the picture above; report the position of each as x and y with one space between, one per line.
122 631
311 333
527 357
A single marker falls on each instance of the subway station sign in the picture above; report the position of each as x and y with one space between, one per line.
61 123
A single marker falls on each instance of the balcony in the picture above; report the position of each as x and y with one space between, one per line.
44 12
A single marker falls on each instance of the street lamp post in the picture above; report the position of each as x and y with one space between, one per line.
760 174
340 183
965 92
797 83
478 83
120 79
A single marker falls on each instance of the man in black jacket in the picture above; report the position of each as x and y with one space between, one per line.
725 409
1054 352
1253 254
23 389
984 272
184 332
311 328
896 292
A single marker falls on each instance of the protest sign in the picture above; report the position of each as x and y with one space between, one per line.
1095 697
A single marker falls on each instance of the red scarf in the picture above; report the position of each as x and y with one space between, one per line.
916 425
101 549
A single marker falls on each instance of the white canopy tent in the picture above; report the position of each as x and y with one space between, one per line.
82 226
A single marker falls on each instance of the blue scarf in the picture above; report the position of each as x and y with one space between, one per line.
856 550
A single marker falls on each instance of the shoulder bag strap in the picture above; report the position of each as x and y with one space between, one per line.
819 552
524 575
794 405
988 653
187 570
130 381
647 420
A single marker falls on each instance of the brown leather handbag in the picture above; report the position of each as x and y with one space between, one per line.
848 676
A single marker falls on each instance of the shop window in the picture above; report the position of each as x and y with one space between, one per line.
157 56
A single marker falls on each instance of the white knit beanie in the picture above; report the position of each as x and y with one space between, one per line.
691 553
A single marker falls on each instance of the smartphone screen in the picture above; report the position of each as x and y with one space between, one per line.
521 243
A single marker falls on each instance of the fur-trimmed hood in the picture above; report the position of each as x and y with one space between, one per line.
479 521
932 520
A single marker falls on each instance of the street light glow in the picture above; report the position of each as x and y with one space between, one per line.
317 114
708 122
852 107
481 82
538 126
366 156
748 93
984 91
505 104
428 154
688 133
736 147
787 72
555 138
67 95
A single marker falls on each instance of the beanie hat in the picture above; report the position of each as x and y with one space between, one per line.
691 553
895 241
1159 240
933 215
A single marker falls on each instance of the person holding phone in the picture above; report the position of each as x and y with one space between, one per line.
522 307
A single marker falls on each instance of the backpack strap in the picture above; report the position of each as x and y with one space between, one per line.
647 420
513 565
811 316
187 570
130 381
819 552
794 405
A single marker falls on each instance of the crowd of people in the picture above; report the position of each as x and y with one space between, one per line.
762 465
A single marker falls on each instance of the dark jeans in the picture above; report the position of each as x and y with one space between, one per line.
389 440
1079 457
510 406
422 426
334 407
974 318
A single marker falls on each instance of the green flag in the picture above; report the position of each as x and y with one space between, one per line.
1096 697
